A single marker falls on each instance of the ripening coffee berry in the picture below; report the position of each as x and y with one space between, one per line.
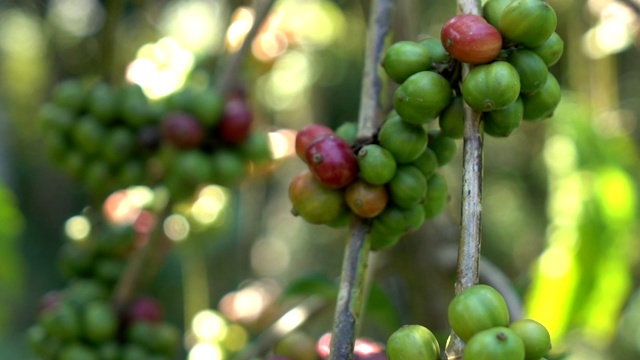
314 202
307 135
366 200
332 161
471 39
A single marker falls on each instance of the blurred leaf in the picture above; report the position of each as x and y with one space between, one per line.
11 273
381 309
312 284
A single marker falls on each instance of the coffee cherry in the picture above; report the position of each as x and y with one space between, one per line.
119 145
228 167
366 200
531 69
182 130
314 202
529 22
451 119
235 125
348 131
535 337
405 58
443 147
551 50
494 343
395 220
380 240
491 86
134 106
437 51
408 186
62 321
165 339
69 94
437 196
88 134
307 135
471 39
492 10
77 351
501 123
193 167
543 103
406 142
332 161
53 117
256 148
377 165
422 97
102 103
207 106
427 163
99 322
413 342
477 308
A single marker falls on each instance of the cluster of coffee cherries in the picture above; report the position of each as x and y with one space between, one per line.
111 137
79 321
511 45
480 317
390 179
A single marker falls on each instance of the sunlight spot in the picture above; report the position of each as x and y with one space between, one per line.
77 228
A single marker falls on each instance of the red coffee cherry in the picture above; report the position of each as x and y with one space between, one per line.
307 135
235 125
471 39
332 161
182 130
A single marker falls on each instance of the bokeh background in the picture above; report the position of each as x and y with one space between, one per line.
560 215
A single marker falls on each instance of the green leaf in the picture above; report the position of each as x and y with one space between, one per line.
312 284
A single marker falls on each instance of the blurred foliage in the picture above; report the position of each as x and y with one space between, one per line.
560 196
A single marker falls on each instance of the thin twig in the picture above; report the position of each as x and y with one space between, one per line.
229 72
108 40
354 267
134 274
371 115
471 223
350 296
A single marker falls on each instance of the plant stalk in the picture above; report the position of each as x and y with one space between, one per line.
134 274
227 76
354 267
471 223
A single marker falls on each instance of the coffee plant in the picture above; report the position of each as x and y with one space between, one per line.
385 184
389 179
112 137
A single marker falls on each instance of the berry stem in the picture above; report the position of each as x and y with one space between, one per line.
227 76
471 222
137 270
351 295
